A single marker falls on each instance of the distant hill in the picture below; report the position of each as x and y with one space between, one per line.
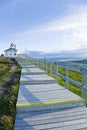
81 61
63 55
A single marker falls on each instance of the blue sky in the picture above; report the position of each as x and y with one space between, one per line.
43 25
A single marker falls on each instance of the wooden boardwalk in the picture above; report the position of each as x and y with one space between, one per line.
44 105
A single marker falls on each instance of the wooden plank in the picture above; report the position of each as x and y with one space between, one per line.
66 119
44 93
32 70
42 87
47 115
53 119
35 77
55 112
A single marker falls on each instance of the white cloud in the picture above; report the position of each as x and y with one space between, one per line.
73 21
68 33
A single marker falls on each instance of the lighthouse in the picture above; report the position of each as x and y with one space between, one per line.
11 51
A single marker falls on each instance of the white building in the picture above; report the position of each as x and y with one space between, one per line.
11 52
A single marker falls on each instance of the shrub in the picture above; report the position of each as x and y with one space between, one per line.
6 123
9 80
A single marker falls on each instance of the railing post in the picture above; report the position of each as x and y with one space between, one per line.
30 61
50 69
56 72
84 84
38 63
66 78
43 65
33 61
27 60
46 66
83 93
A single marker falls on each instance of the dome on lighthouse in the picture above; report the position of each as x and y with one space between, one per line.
13 45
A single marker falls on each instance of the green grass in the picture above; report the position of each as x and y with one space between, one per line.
9 85
77 76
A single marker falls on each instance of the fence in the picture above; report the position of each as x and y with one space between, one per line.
48 66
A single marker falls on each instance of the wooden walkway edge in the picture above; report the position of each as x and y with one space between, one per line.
44 105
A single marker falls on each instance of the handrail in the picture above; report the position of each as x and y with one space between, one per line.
43 64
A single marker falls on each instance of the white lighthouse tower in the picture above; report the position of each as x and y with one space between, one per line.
12 51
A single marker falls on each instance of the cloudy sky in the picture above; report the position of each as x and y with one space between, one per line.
43 25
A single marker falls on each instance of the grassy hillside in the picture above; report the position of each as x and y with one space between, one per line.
9 84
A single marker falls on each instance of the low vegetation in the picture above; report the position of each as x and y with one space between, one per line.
77 76
9 84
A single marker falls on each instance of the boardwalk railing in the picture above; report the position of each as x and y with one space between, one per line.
48 66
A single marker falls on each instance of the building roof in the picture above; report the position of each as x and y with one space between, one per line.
11 49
